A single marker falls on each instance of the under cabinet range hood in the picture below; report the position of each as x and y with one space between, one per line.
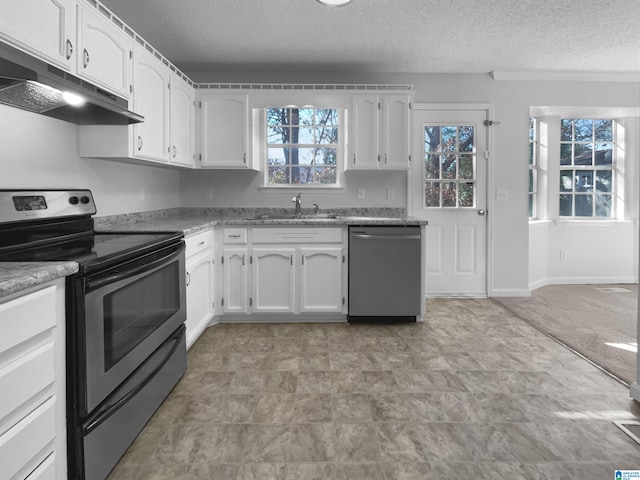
33 85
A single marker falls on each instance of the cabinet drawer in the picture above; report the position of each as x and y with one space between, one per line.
199 242
46 470
25 377
21 444
26 317
297 235
236 236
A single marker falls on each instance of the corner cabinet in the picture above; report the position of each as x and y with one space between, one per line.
224 131
200 283
32 368
43 28
380 133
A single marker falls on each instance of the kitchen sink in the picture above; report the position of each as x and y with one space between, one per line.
319 216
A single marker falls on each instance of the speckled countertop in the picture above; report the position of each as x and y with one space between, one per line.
18 276
193 220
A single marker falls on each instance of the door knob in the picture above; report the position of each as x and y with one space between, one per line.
482 212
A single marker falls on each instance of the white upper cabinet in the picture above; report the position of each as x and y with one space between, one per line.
224 122
151 100
182 123
380 131
43 28
104 52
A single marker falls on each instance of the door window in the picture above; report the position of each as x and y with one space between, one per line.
449 166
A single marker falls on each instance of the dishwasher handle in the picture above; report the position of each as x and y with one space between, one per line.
367 236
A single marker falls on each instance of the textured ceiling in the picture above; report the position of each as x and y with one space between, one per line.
438 36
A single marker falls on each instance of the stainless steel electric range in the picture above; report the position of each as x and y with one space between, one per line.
125 314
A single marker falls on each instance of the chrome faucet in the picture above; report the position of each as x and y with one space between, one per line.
298 200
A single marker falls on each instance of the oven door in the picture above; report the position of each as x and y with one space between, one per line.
129 312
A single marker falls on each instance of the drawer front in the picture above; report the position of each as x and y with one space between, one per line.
46 470
297 235
25 377
21 444
199 242
237 236
26 317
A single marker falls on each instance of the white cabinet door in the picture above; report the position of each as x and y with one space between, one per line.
151 100
363 139
321 279
182 122
236 280
395 132
273 279
44 28
224 123
199 295
104 53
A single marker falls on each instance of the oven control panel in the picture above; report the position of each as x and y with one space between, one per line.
20 205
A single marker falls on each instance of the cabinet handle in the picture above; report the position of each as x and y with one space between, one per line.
378 158
291 259
85 58
385 158
69 49
175 151
201 243
244 157
303 259
139 143
188 279
354 158
242 259
234 236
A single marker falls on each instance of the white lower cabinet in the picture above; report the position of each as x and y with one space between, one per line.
200 283
32 368
284 270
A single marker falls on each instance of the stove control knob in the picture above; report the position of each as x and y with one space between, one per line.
73 200
84 200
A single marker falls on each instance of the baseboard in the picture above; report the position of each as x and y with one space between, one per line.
456 295
511 292
581 281
634 391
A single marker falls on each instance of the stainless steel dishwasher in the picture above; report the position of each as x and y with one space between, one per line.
384 273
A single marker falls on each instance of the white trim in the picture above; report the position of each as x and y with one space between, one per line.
453 106
634 391
454 295
581 281
511 292
566 76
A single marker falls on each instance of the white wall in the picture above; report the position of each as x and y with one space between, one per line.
41 152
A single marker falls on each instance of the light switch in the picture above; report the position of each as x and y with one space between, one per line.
361 194
390 194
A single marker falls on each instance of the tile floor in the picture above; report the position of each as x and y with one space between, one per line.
472 392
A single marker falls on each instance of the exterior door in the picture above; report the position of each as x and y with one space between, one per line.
448 188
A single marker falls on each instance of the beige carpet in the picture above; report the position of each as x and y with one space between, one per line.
598 321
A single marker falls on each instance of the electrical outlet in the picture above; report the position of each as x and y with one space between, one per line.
361 194
390 194
502 195
208 194
563 254
141 194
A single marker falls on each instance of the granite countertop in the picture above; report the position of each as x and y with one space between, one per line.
18 276
193 220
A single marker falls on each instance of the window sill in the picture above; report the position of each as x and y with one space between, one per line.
301 188
610 222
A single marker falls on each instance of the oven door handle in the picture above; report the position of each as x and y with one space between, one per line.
109 408
122 274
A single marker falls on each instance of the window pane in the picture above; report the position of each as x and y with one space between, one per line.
303 135
530 153
583 154
603 180
530 205
278 116
603 154
603 205
303 174
531 181
306 116
327 116
565 154
465 192
431 139
583 130
584 181
432 194
466 139
604 131
276 156
465 168
566 208
565 130
326 156
566 181
278 135
327 135
448 166
448 194
432 167
448 139
278 175
584 206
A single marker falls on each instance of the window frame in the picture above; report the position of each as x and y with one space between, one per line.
533 167
574 170
340 149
